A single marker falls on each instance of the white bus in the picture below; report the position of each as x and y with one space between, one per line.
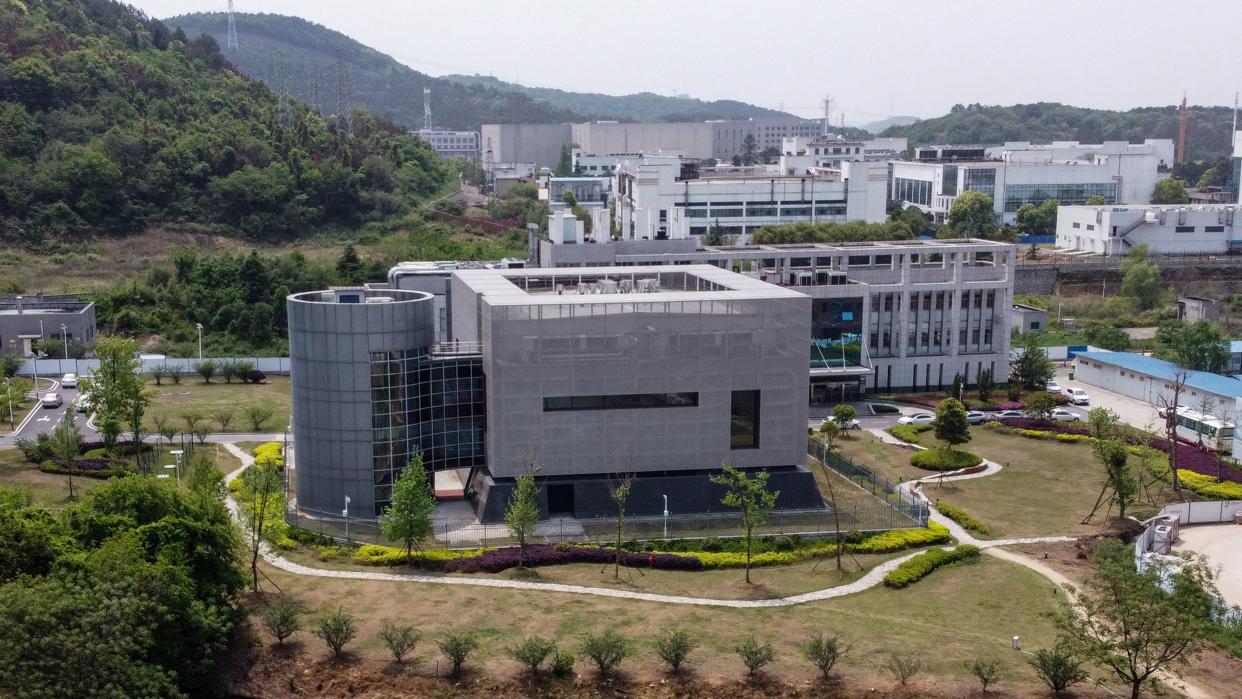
1204 429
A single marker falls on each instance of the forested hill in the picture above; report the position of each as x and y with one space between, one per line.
642 106
320 65
111 122
1207 138
325 68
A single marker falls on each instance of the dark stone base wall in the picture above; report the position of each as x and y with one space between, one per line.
687 494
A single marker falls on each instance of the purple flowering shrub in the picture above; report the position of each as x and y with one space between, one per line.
496 560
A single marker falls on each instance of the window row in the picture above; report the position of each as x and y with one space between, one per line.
621 401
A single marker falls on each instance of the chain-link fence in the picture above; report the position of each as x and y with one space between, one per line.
867 479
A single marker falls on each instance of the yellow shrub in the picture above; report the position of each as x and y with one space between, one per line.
376 555
1208 487
899 539
269 451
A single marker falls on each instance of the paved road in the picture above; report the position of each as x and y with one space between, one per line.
1222 545
1133 412
46 419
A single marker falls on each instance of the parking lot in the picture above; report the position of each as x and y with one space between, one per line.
44 420
1132 412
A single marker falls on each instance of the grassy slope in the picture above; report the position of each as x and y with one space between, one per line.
174 400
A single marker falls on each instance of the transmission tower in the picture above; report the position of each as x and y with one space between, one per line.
231 43
427 108
828 104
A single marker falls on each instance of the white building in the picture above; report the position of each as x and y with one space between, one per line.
663 197
451 144
1020 173
1203 229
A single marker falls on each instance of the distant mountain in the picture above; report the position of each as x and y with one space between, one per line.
880 125
642 106
326 68
1208 136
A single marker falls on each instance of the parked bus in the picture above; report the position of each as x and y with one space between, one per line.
1204 429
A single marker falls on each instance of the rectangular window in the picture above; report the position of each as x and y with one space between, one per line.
621 401
744 420
1184 229
1213 229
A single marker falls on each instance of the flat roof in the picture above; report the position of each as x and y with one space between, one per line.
1143 364
509 286
936 245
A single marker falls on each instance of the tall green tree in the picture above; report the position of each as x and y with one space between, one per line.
750 495
1038 220
971 216
750 150
349 266
522 515
1132 622
260 490
950 425
1112 454
1031 368
67 444
1141 278
115 387
1170 191
1198 346
1096 200
408 518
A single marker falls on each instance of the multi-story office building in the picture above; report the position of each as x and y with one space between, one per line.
452 144
893 316
591 373
665 197
1020 173
1202 229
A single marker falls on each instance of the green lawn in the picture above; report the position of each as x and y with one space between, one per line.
173 401
1045 488
954 615
886 460
46 489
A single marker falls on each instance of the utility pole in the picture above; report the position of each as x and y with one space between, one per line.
231 43
427 108
1183 120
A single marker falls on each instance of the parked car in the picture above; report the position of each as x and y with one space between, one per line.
51 400
851 424
975 417
1052 387
917 419
1077 396
82 404
1063 415
1008 415
69 380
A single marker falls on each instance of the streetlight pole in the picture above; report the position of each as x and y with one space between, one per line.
64 335
9 395
345 513
200 339
665 516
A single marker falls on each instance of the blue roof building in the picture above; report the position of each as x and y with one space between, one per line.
1151 380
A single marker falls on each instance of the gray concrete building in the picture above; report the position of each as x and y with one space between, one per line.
1028 318
523 143
26 319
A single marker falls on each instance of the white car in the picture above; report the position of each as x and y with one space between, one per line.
1052 387
975 417
51 400
1008 415
851 424
917 419
1077 396
1063 415
69 380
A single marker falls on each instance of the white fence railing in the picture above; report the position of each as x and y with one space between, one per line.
1204 512
85 367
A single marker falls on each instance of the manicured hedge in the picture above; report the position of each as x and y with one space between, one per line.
270 451
376 555
959 515
497 560
89 468
908 433
900 539
922 565
936 459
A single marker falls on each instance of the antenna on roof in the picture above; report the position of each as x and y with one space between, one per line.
231 42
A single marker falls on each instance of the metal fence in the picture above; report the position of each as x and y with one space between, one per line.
902 501
55 367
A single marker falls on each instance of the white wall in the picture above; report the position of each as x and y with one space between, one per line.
1100 229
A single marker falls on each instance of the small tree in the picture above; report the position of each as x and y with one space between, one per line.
1039 405
522 516
224 418
227 369
904 666
1131 623
206 368
1032 368
986 670
755 655
408 518
192 421
830 431
1058 668
158 372
620 493
1104 423
399 639
1113 455
843 414
824 652
258 415
673 647
751 496
66 443
336 629
174 373
606 650
986 385
205 480
951 426
532 651
1168 408
282 619
456 647
260 485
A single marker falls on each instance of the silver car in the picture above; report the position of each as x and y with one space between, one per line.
975 417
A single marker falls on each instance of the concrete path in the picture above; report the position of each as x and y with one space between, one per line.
992 467
1221 544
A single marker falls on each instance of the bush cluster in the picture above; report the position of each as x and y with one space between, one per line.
943 459
376 555
270 451
908 433
900 539
922 565
496 560
959 515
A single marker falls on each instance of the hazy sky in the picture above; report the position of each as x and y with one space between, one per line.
876 57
